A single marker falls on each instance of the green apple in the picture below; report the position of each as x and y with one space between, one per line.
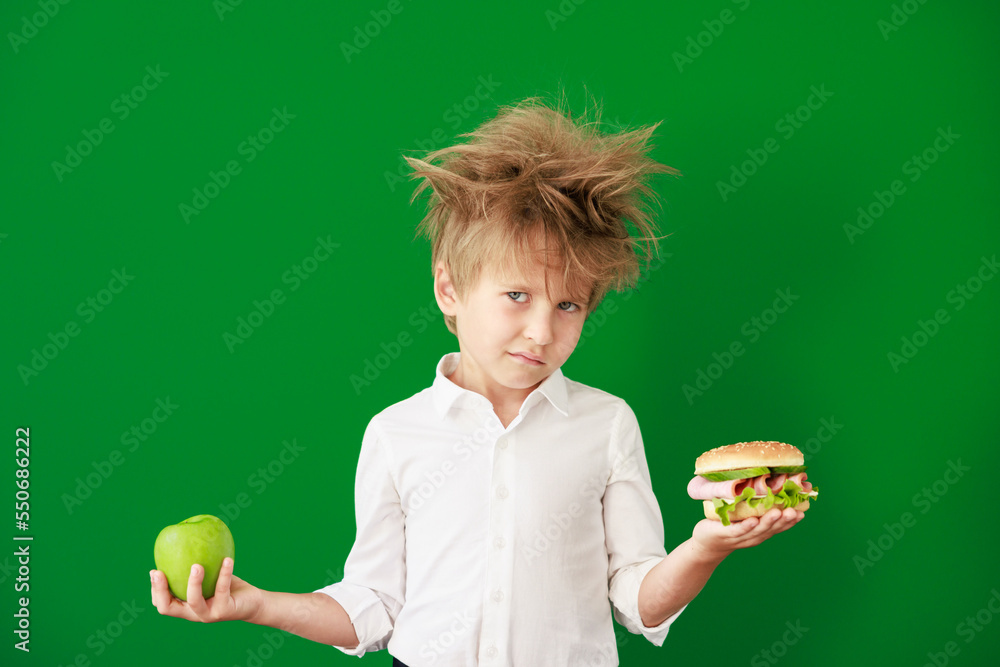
202 539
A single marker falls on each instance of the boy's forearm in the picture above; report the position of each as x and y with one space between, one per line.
674 582
315 616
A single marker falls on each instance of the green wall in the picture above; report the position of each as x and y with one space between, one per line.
785 119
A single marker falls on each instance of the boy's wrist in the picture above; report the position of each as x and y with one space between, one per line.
706 554
256 609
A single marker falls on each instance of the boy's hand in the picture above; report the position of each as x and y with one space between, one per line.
716 541
234 598
676 580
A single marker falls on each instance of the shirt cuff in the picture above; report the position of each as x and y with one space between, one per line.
368 615
629 617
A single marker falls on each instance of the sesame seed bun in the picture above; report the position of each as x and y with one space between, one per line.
748 455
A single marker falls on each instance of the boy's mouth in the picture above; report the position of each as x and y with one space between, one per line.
526 358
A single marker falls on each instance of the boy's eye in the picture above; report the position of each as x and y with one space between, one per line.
565 306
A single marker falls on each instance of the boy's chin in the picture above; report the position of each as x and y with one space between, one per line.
527 378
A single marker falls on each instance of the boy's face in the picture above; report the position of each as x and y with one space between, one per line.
511 334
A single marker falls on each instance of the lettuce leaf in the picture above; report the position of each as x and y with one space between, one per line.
790 496
741 473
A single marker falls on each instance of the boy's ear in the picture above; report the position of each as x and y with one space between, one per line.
444 289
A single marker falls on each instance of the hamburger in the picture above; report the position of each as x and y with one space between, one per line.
747 479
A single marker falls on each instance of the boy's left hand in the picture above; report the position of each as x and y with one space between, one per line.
716 541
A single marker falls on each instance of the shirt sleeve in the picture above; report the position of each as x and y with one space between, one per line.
633 527
372 591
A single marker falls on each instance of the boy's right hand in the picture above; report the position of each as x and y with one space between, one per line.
234 599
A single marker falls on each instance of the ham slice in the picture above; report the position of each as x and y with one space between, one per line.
800 479
700 488
776 482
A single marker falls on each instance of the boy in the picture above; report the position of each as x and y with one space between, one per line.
499 510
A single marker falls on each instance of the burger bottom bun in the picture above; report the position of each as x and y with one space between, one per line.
744 511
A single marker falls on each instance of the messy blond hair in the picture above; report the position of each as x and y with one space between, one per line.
532 172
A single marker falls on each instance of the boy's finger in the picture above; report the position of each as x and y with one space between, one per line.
790 517
768 522
156 592
225 581
785 520
744 527
195 599
163 599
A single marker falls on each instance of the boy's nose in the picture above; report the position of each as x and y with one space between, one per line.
539 328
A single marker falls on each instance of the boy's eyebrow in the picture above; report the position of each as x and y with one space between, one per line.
516 287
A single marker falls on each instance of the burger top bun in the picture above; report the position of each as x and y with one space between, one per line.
748 455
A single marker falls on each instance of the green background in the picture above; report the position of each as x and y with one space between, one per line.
325 176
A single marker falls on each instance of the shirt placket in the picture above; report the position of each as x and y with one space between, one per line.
495 636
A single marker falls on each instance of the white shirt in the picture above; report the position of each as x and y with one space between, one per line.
480 545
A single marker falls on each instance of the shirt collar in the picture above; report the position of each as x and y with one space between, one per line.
447 394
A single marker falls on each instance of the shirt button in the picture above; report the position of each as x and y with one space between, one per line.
491 652
500 543
502 444
502 491
498 596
